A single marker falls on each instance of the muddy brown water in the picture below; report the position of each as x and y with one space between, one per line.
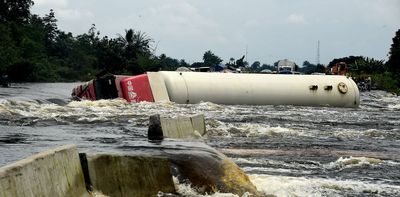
286 150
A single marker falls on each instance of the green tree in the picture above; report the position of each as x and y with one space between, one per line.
197 64
183 63
9 52
267 66
15 10
14 15
320 68
255 67
386 81
393 63
276 65
110 55
83 58
308 67
28 39
148 63
240 62
51 32
367 65
348 60
32 48
210 59
135 43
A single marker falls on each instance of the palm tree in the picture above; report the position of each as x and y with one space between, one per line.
135 43
136 51
142 42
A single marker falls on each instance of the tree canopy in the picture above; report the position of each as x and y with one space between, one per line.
33 48
385 75
210 59
15 10
393 63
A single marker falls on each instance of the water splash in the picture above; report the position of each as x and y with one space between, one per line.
349 162
185 189
283 186
320 151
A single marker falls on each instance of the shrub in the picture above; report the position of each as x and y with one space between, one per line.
386 81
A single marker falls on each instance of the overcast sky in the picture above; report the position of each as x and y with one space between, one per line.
270 29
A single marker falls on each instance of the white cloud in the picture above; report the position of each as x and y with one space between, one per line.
186 28
63 9
383 11
296 18
73 14
252 23
51 3
179 17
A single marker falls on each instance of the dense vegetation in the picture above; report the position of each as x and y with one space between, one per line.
33 48
385 75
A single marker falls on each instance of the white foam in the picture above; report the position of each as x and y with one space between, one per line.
275 170
187 190
311 165
348 162
249 129
208 106
394 106
283 186
98 103
351 133
266 130
97 194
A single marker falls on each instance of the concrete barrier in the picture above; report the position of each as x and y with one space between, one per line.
63 172
125 175
180 127
203 166
52 173
145 172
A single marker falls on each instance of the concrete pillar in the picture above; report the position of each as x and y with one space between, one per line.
126 176
180 128
52 173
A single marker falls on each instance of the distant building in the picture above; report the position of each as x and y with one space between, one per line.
286 67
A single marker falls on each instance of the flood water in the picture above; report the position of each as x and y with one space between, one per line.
286 150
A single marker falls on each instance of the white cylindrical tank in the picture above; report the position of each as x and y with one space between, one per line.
260 89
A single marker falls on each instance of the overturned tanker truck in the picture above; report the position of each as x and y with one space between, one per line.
224 88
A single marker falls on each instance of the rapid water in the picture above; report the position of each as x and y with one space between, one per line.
286 150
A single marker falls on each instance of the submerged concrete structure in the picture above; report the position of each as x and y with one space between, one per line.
129 175
192 127
144 169
53 173
61 172
193 161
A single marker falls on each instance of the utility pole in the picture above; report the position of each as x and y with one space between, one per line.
246 53
318 55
